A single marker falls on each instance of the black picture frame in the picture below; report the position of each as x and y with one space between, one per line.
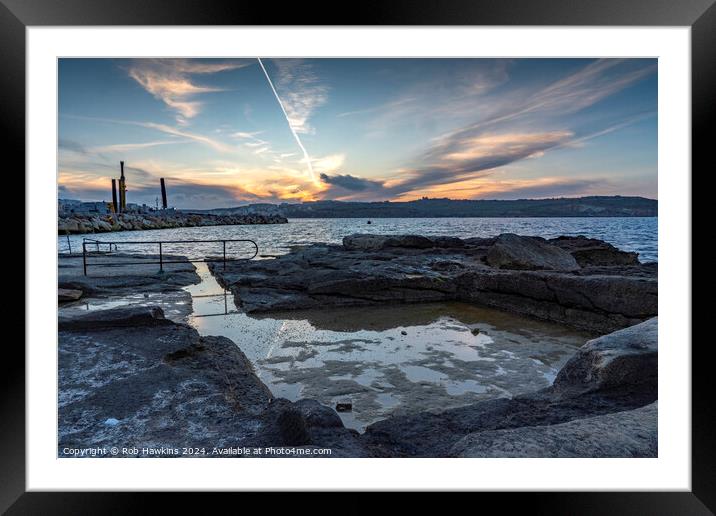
700 15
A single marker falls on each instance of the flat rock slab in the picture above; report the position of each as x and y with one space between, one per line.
117 274
631 433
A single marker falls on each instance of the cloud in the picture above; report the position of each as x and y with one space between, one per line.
72 146
170 80
352 183
463 155
301 92
214 144
127 147
573 93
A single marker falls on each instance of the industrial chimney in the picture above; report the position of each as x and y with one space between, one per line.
164 193
114 195
122 189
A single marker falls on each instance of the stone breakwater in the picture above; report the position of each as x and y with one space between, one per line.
581 282
130 222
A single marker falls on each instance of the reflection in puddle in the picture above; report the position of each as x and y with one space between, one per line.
389 360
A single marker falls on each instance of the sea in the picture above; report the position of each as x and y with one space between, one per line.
637 234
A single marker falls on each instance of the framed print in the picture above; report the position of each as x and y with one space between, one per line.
434 250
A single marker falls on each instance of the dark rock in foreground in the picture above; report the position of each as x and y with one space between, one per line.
584 283
618 359
631 433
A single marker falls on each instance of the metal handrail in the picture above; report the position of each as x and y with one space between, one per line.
161 261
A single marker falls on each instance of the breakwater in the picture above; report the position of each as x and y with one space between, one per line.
78 224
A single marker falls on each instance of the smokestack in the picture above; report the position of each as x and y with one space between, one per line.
114 195
164 193
122 189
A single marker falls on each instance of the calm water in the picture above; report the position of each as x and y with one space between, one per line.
628 233
388 360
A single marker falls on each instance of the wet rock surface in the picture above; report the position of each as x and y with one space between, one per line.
607 293
130 378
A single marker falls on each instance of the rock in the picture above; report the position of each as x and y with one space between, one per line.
130 316
293 428
364 242
527 253
65 226
593 252
370 270
631 433
66 294
375 242
627 357
104 226
137 221
344 406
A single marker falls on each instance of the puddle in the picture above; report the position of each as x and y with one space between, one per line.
176 305
389 360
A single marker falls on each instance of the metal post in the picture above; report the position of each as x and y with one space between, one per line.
161 259
84 258
224 242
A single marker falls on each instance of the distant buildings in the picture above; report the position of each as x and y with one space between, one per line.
69 207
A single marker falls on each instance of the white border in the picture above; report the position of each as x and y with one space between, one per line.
670 471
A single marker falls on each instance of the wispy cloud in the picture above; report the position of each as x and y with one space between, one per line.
301 92
127 147
171 81
462 156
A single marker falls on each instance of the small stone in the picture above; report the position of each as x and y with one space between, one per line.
403 332
344 406
111 421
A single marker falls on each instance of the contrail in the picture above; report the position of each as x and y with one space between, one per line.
293 131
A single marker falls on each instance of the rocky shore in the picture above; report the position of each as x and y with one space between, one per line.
581 282
130 222
133 377
129 377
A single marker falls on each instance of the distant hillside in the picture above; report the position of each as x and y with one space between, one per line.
565 207
615 206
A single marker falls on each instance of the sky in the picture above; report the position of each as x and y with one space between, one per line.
228 132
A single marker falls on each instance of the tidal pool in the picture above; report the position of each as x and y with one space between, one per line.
389 359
